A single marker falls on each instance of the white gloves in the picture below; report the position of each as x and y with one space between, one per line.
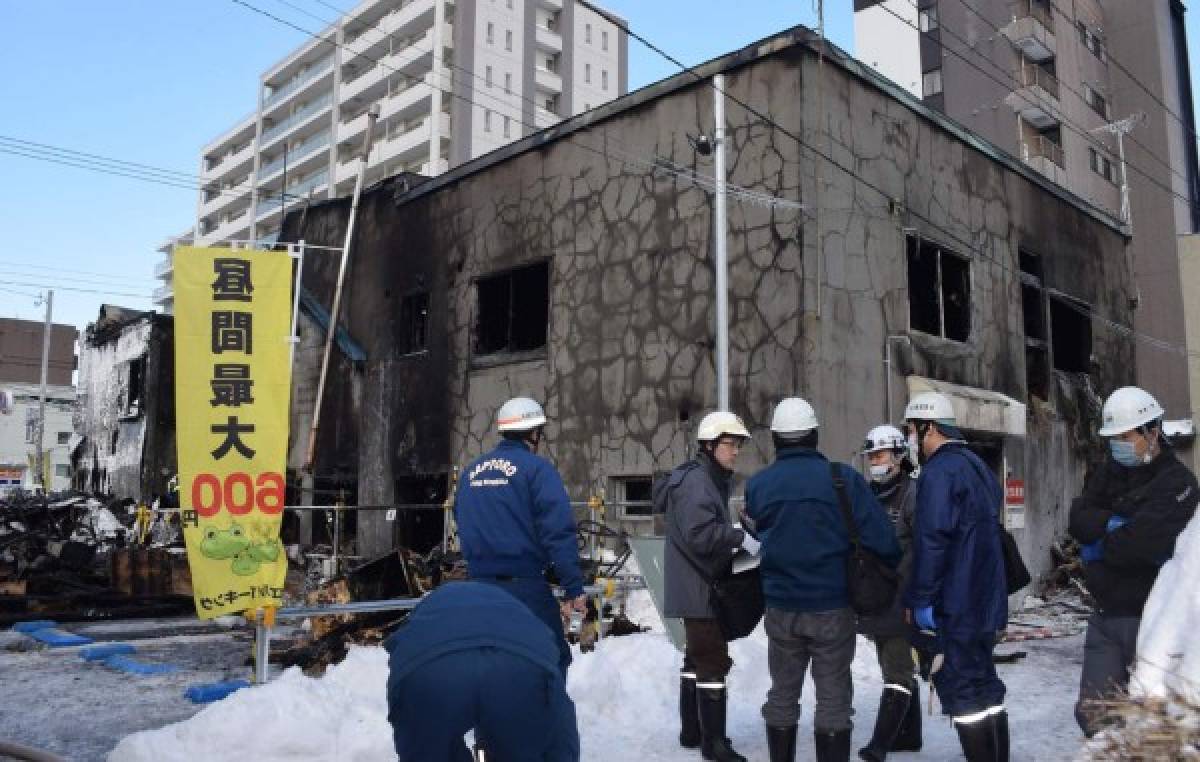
749 544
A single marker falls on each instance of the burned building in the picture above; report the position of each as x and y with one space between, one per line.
126 412
875 248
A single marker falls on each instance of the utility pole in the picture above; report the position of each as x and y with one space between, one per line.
1120 129
41 427
720 229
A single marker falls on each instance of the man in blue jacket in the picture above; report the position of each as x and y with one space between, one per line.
472 657
515 521
957 592
805 546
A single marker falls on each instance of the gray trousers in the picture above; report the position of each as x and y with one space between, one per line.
1108 651
826 640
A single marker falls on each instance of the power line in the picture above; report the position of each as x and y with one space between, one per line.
1082 132
52 268
1087 133
58 287
969 246
119 163
19 273
608 151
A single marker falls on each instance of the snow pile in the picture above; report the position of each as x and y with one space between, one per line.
341 716
1168 650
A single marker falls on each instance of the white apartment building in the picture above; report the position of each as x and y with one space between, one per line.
18 437
454 79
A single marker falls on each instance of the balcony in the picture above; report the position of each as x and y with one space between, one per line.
548 39
1036 100
164 268
361 80
301 117
296 84
1032 30
555 5
231 162
163 294
295 157
225 197
1045 156
547 80
273 201
543 118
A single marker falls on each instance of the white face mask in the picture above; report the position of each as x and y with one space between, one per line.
880 473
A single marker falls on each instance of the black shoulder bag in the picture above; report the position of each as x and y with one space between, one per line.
736 599
871 583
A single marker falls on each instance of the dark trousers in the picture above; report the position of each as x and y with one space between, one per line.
705 653
537 597
896 661
824 639
518 710
967 682
1108 651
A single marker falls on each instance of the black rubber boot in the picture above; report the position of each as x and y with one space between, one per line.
689 714
716 745
909 737
781 743
893 706
999 723
832 745
976 739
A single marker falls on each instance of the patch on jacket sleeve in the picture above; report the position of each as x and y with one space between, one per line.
1184 495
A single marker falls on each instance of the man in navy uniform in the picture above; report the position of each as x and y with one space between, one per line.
515 521
472 657
957 592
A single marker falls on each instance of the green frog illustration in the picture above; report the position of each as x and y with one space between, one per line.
247 554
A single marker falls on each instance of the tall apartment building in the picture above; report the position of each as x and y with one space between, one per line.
454 79
1041 79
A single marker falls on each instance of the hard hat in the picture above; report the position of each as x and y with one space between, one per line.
1128 408
930 406
792 416
716 424
520 414
884 437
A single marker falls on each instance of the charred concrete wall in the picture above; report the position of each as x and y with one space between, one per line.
126 412
626 369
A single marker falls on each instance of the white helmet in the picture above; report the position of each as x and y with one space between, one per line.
719 423
1128 408
884 437
930 406
520 414
793 415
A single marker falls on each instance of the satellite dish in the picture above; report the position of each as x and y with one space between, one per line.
7 402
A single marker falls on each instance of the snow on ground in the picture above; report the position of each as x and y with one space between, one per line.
1168 650
625 693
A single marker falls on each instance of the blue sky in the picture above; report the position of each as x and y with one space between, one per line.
152 81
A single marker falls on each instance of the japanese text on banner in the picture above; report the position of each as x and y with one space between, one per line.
232 387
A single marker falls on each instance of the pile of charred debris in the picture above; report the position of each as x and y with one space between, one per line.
73 556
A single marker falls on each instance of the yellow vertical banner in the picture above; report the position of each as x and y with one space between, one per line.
232 387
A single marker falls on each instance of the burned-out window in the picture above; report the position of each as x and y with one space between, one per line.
939 290
1071 332
1033 306
135 388
513 310
634 495
414 323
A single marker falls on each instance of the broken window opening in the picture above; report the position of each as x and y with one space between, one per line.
1071 334
414 323
635 496
513 310
135 388
416 527
939 291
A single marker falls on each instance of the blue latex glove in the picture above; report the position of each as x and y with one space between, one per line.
924 618
1092 552
1115 522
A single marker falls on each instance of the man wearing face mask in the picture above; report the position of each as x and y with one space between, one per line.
1133 507
898 723
957 592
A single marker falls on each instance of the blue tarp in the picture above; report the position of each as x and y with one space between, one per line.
102 652
206 692
34 626
59 638
135 667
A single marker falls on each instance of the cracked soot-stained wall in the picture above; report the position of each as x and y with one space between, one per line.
609 203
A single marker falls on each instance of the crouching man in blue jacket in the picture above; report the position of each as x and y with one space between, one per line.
805 546
472 657
957 591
